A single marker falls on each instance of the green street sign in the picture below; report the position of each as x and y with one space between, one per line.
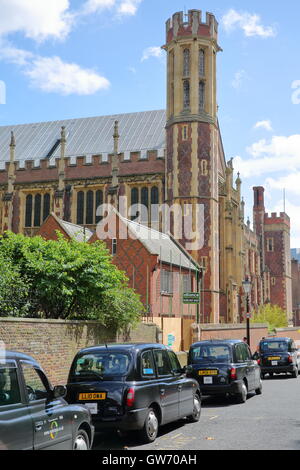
191 298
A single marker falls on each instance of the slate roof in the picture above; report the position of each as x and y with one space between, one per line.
139 131
77 232
162 245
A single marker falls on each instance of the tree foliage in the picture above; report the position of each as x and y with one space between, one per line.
273 315
13 291
66 279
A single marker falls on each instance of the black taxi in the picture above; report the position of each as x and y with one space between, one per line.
34 415
131 387
224 367
278 355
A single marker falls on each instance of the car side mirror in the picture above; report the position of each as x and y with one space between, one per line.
59 391
187 369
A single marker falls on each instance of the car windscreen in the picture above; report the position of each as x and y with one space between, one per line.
100 366
270 346
210 353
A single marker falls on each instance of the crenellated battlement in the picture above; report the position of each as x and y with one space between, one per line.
275 218
80 160
85 166
191 24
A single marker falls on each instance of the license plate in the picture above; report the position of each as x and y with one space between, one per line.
207 380
277 358
91 396
208 372
93 407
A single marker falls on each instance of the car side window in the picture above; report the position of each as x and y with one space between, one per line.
162 362
9 386
241 352
35 385
175 364
147 365
248 354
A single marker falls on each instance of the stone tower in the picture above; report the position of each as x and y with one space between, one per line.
194 149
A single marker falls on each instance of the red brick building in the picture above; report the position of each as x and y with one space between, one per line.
153 160
157 267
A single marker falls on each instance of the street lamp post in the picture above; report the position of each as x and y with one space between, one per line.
247 290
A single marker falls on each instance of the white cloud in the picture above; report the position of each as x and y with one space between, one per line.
128 7
13 55
95 6
296 94
52 75
152 52
279 154
239 79
267 125
36 19
290 181
249 23
121 7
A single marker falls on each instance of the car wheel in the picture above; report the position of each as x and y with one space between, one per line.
295 373
242 396
258 391
194 418
150 429
81 441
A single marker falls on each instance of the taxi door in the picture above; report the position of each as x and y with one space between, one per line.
52 427
16 432
169 386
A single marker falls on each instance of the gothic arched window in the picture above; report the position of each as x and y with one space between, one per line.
46 206
99 202
154 204
37 210
186 62
201 63
28 211
134 200
186 94
201 95
89 208
80 207
145 197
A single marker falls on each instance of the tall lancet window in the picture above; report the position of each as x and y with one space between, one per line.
202 63
201 96
186 63
186 94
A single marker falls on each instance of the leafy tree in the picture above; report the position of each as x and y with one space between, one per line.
14 290
68 279
273 315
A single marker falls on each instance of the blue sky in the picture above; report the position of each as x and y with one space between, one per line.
75 58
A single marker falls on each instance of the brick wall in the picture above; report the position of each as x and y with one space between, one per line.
54 343
257 332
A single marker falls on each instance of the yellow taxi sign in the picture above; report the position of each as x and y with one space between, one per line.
92 396
208 372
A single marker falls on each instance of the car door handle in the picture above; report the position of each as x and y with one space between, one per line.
179 387
162 391
38 426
